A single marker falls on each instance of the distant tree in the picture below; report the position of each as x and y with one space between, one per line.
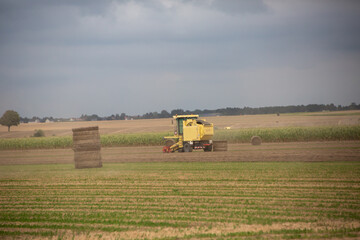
94 117
331 107
39 133
177 111
10 118
24 120
164 114
122 116
353 106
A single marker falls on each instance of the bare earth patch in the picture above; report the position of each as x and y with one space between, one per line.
301 151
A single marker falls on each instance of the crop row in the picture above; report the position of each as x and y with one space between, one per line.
182 200
291 134
288 134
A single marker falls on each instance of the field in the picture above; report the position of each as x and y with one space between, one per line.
282 200
267 152
345 118
285 189
279 134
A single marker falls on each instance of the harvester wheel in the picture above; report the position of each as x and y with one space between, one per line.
187 147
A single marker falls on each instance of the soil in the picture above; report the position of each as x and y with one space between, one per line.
299 151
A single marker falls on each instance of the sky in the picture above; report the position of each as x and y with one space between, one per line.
67 58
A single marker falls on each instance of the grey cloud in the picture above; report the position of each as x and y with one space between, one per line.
239 6
65 58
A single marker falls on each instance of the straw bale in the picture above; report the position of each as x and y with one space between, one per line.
94 128
88 164
95 141
87 136
86 133
89 155
87 147
85 160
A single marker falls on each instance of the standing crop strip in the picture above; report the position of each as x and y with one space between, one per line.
36 143
287 134
291 134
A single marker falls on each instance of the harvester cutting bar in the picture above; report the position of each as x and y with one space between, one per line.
166 149
172 148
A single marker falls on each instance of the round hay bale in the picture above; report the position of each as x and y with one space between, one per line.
256 140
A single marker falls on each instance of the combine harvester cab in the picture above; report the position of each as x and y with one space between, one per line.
190 133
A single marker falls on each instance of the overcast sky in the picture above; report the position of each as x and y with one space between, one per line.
67 58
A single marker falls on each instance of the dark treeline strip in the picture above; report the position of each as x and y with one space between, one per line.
229 111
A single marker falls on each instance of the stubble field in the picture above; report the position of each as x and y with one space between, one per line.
288 190
187 200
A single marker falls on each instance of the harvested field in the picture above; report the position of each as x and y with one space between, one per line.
299 151
286 190
172 200
344 118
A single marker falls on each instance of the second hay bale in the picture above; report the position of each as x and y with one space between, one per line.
255 140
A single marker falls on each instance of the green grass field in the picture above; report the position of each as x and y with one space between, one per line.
279 134
181 200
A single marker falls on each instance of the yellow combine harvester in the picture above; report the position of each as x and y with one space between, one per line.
190 133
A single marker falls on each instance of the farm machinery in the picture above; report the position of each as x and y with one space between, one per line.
192 133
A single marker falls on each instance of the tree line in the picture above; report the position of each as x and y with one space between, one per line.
253 111
229 111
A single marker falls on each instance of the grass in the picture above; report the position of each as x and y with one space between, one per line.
182 200
281 134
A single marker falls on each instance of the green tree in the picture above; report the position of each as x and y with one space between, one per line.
122 116
10 118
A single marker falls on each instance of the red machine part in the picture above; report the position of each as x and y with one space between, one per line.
166 149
